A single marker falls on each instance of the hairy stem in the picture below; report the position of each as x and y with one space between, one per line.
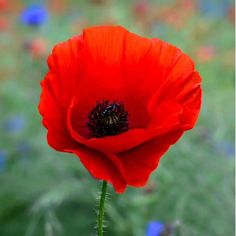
101 208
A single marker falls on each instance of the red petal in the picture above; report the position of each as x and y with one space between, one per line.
181 84
107 56
101 167
56 90
65 72
165 119
138 163
180 81
192 109
58 136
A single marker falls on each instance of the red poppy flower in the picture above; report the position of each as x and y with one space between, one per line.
118 101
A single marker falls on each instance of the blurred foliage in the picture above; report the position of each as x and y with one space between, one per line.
43 192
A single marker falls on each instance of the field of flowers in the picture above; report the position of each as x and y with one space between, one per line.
44 192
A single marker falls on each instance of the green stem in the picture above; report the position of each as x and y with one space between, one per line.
101 208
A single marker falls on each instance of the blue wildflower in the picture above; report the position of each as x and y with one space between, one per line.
213 8
34 15
226 148
3 158
15 124
154 228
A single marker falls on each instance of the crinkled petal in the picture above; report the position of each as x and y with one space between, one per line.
140 162
101 167
57 87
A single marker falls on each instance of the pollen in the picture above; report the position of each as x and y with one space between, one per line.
107 118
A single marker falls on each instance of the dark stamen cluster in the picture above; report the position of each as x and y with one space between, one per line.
107 119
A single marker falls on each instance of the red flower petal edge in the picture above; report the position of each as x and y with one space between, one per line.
155 82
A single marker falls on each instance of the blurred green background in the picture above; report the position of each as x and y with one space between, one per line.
44 192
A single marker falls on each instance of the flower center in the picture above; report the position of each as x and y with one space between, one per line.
107 119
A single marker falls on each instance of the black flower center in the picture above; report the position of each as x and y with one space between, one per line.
107 119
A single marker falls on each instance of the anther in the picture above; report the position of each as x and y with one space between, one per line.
107 119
